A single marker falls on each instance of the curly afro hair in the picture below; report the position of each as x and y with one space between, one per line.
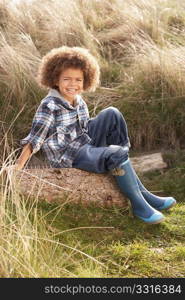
59 59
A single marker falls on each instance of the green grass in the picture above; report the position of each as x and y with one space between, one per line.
129 249
40 239
125 246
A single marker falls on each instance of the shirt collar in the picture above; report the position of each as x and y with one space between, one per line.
56 94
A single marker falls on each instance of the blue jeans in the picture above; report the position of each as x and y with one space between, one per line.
109 134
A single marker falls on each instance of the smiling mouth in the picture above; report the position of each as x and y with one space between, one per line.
71 90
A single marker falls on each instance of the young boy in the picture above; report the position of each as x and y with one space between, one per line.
69 138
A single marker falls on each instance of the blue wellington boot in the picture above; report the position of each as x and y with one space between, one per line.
129 186
157 202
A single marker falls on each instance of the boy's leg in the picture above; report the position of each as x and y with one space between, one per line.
103 159
129 186
110 143
157 202
100 159
108 128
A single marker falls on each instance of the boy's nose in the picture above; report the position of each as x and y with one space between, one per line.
72 82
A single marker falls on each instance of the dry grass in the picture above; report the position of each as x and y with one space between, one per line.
29 245
159 73
140 47
114 30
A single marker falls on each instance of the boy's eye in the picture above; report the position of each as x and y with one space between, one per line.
67 79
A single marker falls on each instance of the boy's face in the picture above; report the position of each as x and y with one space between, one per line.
70 83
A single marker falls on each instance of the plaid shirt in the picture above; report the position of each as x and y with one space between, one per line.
59 129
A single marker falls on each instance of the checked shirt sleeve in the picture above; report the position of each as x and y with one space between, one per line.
41 124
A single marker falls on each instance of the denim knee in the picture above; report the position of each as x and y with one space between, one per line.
111 111
115 155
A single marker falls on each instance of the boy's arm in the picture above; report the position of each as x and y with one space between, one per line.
24 156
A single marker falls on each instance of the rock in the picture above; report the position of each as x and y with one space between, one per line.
74 185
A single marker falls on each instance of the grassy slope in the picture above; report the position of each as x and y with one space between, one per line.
53 240
131 248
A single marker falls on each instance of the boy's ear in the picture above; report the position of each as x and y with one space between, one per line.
56 83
